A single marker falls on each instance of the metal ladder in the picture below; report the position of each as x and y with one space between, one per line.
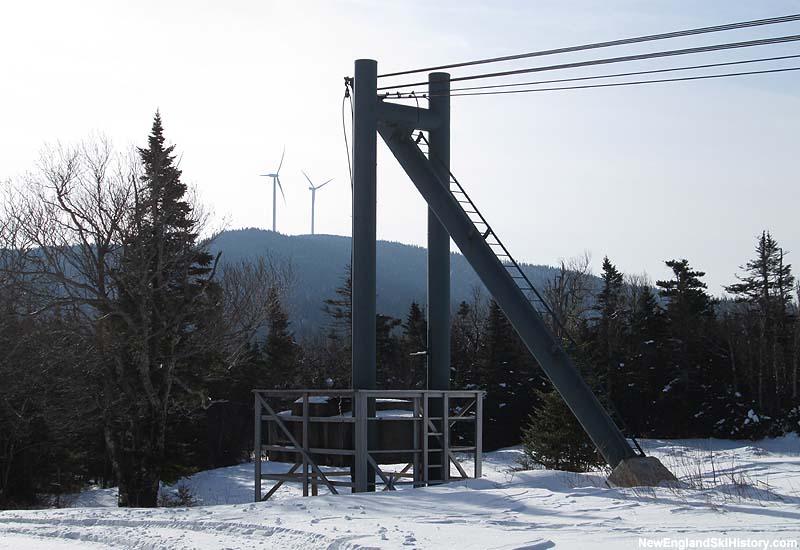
437 452
515 271
509 263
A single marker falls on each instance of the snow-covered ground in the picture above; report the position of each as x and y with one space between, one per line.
740 493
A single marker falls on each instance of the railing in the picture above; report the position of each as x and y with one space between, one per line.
327 435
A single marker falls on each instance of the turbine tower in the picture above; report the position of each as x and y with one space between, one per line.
276 184
313 190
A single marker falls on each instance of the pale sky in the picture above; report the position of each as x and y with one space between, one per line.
640 173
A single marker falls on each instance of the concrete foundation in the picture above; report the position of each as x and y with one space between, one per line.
642 471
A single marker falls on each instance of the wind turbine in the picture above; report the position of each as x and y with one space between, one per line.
276 184
313 190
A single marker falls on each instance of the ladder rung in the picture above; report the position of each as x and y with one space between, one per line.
507 261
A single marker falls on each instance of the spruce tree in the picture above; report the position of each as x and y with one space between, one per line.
280 349
340 309
338 358
414 346
554 439
509 375
690 371
464 347
165 295
645 364
767 288
608 341
388 352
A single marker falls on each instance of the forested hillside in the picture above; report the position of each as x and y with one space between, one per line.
319 262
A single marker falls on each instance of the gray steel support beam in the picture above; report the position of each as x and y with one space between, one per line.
407 116
438 356
365 105
528 324
439 242
361 440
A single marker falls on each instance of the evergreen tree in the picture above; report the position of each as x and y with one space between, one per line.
338 358
509 375
645 363
387 352
229 420
767 288
280 350
554 439
165 296
414 346
608 342
340 309
690 371
686 294
465 344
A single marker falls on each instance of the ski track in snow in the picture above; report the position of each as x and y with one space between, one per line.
742 489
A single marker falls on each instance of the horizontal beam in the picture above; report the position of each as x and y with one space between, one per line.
451 394
351 420
284 478
312 419
310 392
288 449
299 476
413 118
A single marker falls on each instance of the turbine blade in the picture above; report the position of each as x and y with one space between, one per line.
281 188
278 171
326 183
309 179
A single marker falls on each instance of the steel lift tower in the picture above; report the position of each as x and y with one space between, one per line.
447 218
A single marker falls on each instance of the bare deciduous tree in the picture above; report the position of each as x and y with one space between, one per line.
86 234
569 291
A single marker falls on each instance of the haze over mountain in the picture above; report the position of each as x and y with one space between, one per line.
319 263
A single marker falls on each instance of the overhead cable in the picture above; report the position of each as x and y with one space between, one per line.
617 84
406 95
621 42
621 59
